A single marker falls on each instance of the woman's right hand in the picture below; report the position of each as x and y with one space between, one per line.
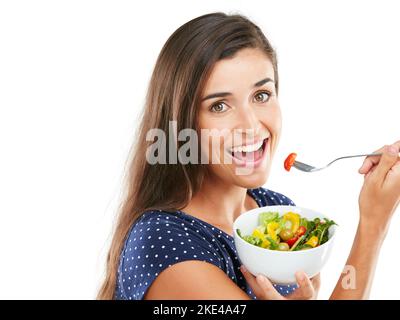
264 290
380 193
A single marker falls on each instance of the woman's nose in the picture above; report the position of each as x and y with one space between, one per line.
247 120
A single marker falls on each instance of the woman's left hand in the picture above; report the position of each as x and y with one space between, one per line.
263 288
380 193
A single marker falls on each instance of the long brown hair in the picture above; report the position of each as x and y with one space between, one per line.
178 79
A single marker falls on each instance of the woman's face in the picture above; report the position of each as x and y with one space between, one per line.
240 102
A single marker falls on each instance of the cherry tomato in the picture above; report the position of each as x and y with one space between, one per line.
292 241
289 161
286 234
302 230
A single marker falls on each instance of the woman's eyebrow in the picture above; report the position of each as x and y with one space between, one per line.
263 81
225 94
217 95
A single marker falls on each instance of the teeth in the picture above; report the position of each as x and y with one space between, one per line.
248 148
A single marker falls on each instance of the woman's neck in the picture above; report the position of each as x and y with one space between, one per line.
218 203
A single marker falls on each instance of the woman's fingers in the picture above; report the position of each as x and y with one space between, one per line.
369 172
370 162
393 177
251 280
261 286
270 293
306 290
387 161
264 289
316 282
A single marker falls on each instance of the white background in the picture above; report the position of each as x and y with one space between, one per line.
73 76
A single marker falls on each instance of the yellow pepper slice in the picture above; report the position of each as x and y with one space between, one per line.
257 233
265 243
313 241
294 220
272 228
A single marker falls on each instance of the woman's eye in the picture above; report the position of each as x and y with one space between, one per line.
218 107
262 97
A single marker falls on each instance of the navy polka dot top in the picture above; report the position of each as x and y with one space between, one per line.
159 239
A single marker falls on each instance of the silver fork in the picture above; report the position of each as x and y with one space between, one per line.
307 168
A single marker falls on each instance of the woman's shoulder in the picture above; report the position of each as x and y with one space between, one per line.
176 223
156 241
268 197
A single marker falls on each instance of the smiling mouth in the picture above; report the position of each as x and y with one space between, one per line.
249 153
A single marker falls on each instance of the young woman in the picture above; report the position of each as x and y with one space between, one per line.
173 238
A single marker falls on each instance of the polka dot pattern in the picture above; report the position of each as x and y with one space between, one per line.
160 239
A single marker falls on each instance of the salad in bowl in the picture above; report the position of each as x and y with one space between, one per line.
278 241
288 232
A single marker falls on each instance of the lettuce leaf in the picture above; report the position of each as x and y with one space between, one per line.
266 217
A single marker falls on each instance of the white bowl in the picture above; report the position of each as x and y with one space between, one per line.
280 266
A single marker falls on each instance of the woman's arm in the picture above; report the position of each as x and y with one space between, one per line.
379 198
197 280
200 280
356 282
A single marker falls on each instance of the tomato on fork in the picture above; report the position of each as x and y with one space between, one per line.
291 158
